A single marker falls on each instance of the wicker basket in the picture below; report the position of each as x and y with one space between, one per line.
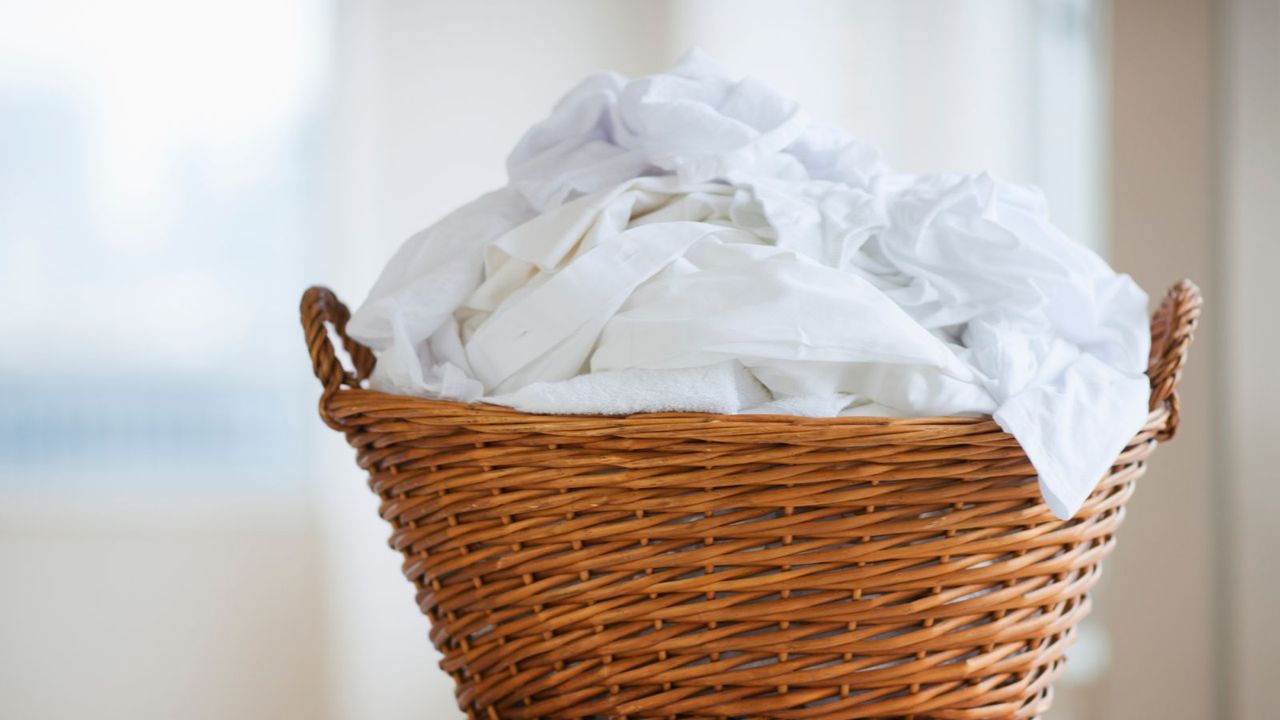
712 566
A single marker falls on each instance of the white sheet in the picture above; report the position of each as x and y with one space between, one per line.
692 241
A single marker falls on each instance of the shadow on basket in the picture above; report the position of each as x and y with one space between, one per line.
689 565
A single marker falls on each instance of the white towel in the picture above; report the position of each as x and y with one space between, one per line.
692 241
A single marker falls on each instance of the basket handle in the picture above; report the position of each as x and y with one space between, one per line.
321 309
1172 329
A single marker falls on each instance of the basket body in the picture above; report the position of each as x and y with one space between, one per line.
696 566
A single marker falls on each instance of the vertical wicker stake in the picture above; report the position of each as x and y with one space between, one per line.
684 565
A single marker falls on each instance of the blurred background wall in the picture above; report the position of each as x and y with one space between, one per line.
180 537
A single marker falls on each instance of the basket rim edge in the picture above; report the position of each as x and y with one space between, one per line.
348 399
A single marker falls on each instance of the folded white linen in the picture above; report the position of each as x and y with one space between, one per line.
725 388
691 241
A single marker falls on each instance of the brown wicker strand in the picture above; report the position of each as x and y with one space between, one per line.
321 310
1172 331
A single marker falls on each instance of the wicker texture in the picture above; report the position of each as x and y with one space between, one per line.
708 566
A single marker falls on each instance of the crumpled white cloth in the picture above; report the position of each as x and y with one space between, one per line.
692 241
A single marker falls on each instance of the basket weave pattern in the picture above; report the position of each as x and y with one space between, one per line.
710 566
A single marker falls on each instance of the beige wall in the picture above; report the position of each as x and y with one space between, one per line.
1249 241
158 611
1194 586
1158 599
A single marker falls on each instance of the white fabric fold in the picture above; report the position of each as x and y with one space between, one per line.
692 241
725 388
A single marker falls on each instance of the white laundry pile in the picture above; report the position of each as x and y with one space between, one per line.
693 241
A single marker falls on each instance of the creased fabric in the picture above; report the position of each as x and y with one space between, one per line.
693 241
